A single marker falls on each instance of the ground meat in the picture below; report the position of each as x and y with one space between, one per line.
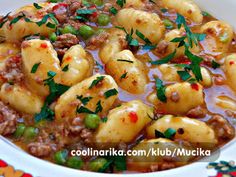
219 80
197 112
97 41
230 113
77 126
12 72
8 120
162 47
162 166
39 149
74 24
86 135
223 129
73 6
64 42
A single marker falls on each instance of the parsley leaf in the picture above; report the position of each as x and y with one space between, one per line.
83 109
195 64
123 60
85 11
164 60
214 64
84 100
37 6
16 19
4 19
66 68
169 133
110 93
35 67
113 10
160 88
142 36
184 75
123 76
129 37
121 3
99 107
96 81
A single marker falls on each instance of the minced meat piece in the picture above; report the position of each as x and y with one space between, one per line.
8 119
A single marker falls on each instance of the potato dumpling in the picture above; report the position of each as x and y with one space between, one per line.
128 72
190 130
20 98
219 36
7 50
172 46
169 73
77 65
187 8
179 98
92 88
124 123
16 32
230 70
147 23
139 4
39 52
114 44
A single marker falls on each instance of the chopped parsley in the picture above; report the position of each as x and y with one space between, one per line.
121 3
99 107
35 67
4 19
83 14
83 109
110 93
66 68
123 76
214 64
148 44
123 60
164 60
129 37
16 19
55 91
96 81
49 24
113 10
84 100
37 6
160 88
104 119
169 133
184 75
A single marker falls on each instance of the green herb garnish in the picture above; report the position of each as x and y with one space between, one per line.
35 67
96 81
110 93
160 88
164 60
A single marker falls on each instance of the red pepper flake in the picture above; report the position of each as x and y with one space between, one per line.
16 59
26 175
133 117
231 62
44 45
3 164
60 6
68 58
195 86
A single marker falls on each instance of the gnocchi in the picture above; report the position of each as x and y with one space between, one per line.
186 8
79 65
128 72
194 131
147 23
185 92
218 39
124 123
20 99
46 57
230 70
67 104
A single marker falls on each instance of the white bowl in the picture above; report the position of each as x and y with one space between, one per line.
12 155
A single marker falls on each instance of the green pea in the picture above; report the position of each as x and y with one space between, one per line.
103 20
74 162
30 133
97 164
53 37
92 121
19 130
97 2
168 24
69 29
60 157
86 31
